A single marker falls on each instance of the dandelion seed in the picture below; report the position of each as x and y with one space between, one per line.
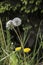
16 21
26 50
17 48
8 23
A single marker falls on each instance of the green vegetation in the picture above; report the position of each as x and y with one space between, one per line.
31 14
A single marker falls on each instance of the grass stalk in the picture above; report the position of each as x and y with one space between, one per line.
2 38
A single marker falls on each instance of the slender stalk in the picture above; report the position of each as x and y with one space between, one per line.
37 37
39 60
2 38
19 38
35 53
21 44
19 33
8 55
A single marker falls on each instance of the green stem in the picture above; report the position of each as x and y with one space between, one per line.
35 53
21 44
37 36
2 38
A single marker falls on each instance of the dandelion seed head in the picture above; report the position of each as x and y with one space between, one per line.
8 23
16 21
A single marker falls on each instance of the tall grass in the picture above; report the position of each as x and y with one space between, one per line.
10 57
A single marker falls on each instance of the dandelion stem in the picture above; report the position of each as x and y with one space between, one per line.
21 44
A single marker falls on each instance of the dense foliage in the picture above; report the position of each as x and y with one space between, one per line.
26 6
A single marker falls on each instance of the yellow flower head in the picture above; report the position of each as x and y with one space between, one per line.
26 50
17 48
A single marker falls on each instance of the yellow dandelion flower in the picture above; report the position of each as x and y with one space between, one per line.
17 48
26 50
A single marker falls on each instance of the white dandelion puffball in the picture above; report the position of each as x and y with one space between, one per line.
16 21
8 23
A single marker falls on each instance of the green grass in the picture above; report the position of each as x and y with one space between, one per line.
10 57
